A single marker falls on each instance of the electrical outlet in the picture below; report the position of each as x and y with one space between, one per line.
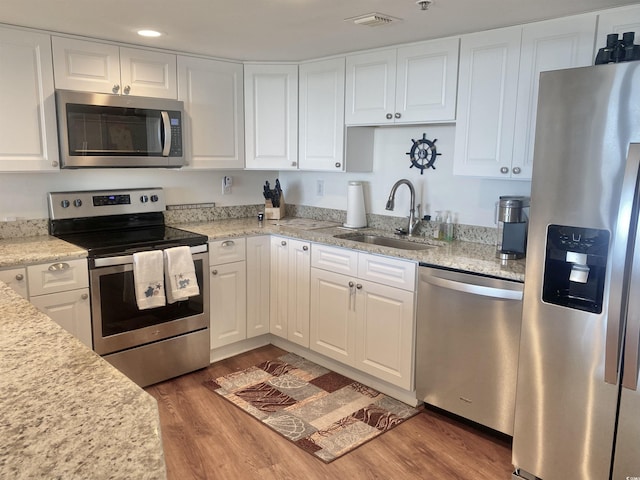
227 181
320 188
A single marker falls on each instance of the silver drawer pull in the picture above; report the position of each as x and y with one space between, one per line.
84 296
214 272
228 243
19 277
58 267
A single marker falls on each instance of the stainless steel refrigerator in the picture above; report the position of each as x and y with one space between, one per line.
577 399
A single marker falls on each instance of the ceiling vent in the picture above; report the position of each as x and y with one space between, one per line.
374 19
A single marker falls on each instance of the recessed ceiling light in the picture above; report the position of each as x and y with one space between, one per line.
149 33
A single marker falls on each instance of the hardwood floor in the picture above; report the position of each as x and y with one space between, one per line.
206 437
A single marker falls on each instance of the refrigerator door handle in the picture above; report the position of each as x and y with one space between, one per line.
622 250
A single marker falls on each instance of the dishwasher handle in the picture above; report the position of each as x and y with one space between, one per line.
474 289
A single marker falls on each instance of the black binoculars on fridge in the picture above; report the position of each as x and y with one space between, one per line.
618 50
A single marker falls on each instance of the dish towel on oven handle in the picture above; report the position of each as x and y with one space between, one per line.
180 274
148 277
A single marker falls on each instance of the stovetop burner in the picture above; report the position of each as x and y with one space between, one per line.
115 222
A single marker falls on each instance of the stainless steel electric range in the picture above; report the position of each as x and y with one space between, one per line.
148 345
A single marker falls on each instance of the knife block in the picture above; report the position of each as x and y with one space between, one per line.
274 213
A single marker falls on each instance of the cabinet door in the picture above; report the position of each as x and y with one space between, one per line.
148 74
333 322
279 284
70 310
298 291
385 323
16 278
214 112
552 45
427 77
228 296
321 128
258 292
487 94
371 88
271 116
28 136
619 20
86 66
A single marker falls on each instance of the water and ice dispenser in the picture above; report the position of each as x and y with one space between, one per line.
575 267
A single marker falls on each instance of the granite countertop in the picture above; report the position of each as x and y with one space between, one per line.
64 411
30 250
466 256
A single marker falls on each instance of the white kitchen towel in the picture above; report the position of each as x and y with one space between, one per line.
148 277
180 274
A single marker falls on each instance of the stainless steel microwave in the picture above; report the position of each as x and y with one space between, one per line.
99 130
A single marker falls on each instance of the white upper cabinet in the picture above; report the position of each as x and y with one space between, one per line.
214 112
498 91
271 117
28 136
551 45
412 84
105 68
619 20
321 120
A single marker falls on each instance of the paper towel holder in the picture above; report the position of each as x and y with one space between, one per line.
356 214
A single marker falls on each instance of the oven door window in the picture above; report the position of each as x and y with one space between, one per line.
120 313
115 131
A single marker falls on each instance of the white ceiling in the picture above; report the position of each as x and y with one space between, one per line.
279 30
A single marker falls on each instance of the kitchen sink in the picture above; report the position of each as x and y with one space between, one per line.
381 240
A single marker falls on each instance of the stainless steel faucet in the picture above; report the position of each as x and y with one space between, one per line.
413 221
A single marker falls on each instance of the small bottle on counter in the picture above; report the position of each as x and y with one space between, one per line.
437 225
448 228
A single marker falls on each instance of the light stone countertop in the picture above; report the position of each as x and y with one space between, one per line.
465 256
66 413
31 250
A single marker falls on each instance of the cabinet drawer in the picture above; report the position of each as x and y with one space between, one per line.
227 251
335 259
16 278
57 276
387 271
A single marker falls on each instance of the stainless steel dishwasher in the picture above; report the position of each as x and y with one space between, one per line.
468 334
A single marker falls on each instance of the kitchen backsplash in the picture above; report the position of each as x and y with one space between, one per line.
177 214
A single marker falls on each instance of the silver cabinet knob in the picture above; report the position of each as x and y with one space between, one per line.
305 248
516 170
19 277
214 272
359 286
54 164
398 115
283 243
127 89
293 164
504 170
389 116
84 296
351 284
115 89
338 164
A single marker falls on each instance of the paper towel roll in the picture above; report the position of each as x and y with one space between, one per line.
356 216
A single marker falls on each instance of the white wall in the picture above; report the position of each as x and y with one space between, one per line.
24 195
471 199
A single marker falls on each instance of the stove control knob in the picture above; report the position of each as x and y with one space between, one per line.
65 204
144 199
154 198
77 202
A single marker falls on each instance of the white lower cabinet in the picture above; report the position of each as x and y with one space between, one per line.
228 292
289 297
16 278
61 290
362 323
258 291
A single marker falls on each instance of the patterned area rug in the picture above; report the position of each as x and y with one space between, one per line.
322 412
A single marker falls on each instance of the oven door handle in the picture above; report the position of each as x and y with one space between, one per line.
128 259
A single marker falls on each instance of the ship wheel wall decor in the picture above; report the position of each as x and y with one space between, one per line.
423 153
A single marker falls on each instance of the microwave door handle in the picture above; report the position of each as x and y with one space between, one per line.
166 125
